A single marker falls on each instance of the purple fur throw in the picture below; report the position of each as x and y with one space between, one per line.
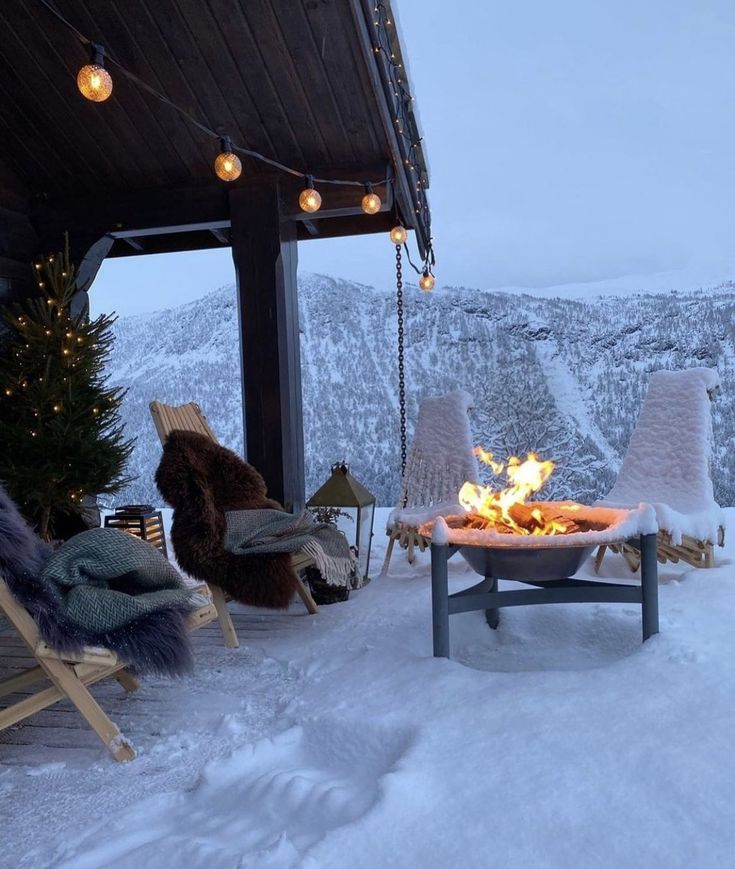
22 554
155 642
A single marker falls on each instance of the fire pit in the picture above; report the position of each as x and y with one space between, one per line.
503 536
493 551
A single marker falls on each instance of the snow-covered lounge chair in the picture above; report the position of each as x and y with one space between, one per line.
440 460
70 674
668 466
189 417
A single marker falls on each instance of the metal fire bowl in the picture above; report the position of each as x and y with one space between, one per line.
526 563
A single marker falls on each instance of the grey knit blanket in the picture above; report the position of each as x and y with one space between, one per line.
272 532
107 588
104 579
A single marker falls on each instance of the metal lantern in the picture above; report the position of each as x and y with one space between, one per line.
142 521
344 501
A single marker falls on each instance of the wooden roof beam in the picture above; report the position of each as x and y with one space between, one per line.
167 211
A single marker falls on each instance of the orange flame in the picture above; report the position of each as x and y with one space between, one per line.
506 510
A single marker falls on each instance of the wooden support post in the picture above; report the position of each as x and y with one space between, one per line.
264 252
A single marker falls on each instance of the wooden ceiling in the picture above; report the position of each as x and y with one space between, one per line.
292 79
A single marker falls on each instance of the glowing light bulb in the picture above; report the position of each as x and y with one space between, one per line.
93 80
310 199
398 234
227 165
370 201
427 281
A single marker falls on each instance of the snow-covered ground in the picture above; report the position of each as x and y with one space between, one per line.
333 741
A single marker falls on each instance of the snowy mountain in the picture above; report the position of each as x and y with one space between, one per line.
564 377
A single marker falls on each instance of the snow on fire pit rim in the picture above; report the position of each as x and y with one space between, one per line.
622 524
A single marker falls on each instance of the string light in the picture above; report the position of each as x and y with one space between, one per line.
427 281
93 80
310 199
95 83
370 201
398 234
227 164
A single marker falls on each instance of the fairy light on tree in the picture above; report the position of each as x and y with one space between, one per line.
56 409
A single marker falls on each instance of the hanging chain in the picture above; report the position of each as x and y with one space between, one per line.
401 359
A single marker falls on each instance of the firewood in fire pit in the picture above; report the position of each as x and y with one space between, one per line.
523 515
535 518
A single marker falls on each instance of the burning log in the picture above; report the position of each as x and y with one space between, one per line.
527 519
527 516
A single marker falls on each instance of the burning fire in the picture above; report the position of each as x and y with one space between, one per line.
506 510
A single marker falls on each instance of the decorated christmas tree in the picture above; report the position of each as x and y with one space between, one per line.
60 430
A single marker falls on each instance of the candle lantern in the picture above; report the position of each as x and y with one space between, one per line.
345 502
142 521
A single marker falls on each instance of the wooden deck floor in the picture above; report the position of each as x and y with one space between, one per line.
59 734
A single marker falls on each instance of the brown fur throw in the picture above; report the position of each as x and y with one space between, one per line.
202 480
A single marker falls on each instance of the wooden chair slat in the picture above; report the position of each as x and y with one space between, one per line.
70 675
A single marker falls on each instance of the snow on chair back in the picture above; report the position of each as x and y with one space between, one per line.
668 464
668 458
441 457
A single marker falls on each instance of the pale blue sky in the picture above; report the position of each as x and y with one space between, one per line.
568 141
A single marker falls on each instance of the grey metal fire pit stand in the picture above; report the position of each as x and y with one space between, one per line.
485 595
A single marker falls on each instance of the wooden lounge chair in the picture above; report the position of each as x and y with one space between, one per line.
69 675
189 417
440 460
668 466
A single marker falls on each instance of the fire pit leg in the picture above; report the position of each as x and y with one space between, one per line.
492 616
440 599
649 585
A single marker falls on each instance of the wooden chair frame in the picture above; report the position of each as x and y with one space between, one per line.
70 676
408 538
698 553
189 417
